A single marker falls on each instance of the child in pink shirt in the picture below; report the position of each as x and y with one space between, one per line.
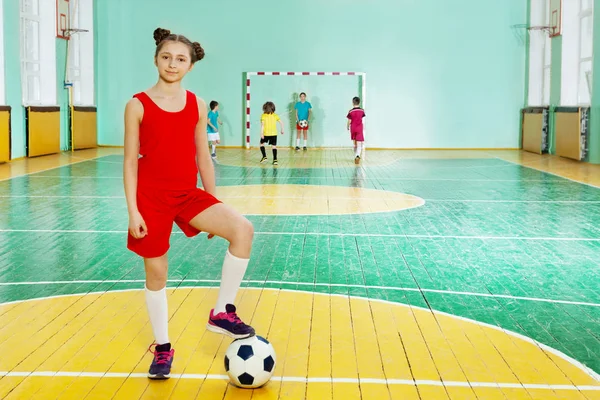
355 126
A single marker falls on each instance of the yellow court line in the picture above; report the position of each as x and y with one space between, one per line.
27 166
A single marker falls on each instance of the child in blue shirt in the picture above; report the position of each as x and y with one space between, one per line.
303 114
212 129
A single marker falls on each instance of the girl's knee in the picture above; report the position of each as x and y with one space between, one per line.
156 270
156 280
245 231
248 228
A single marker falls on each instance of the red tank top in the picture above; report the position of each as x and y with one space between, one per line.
168 145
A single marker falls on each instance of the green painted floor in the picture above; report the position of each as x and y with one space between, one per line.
495 242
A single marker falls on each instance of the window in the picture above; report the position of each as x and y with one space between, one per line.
540 55
81 53
30 51
586 32
38 52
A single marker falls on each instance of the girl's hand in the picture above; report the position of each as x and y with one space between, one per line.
210 236
282 132
262 136
137 226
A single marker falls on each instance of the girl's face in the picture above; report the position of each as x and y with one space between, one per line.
173 61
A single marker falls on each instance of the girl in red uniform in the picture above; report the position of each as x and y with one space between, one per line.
165 147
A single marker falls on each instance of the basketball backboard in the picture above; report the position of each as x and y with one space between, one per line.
555 14
63 20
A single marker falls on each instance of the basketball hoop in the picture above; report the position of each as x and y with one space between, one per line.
549 30
519 31
69 32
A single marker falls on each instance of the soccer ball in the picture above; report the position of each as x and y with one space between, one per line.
250 362
303 123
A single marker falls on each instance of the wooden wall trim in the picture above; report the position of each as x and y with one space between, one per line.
43 108
534 110
85 108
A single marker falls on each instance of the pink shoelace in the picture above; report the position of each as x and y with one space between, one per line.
162 357
231 317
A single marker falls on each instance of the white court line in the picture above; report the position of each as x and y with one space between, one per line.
330 178
527 339
332 197
302 379
384 235
409 236
513 201
312 284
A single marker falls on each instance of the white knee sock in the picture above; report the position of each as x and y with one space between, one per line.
358 148
214 148
156 302
232 274
305 142
297 142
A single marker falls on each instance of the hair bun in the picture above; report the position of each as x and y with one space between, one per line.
161 34
198 50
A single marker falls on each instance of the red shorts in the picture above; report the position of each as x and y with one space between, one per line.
300 128
159 209
357 135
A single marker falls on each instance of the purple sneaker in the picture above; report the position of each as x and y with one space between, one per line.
228 323
163 359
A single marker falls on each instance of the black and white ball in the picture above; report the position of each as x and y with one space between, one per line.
303 123
250 362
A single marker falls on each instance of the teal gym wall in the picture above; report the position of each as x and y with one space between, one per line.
439 74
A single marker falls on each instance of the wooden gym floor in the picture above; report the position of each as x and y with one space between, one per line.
415 275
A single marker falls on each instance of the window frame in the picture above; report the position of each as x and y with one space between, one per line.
582 14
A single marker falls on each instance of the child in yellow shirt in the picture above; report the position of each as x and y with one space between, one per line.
268 130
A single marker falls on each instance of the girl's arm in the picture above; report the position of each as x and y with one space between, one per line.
281 123
262 130
205 165
134 112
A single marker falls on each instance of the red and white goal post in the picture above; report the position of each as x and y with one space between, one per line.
251 75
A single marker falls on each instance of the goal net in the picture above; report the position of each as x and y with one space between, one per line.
329 93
